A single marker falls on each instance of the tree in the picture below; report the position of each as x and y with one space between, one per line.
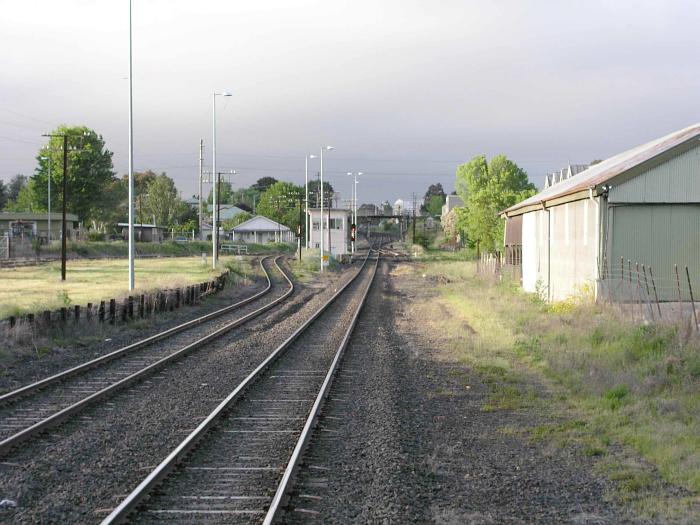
487 188
17 182
433 191
263 184
434 199
161 202
328 191
281 203
434 205
3 194
90 173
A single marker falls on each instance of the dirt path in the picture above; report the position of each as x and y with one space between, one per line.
406 437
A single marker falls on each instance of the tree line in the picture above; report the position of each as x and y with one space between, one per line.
100 198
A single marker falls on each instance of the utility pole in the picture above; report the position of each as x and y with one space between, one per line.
414 218
63 216
64 229
201 175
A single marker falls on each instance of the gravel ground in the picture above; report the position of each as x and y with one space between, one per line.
22 365
403 440
76 473
238 477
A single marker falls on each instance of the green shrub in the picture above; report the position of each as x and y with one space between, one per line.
615 397
96 236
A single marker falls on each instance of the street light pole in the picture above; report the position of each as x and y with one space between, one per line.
48 159
307 233
131 164
327 148
215 229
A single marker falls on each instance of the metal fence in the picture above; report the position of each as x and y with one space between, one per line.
632 287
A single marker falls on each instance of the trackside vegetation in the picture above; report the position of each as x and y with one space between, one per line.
626 394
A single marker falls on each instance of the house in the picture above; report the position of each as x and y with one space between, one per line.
142 232
340 221
593 227
261 230
31 225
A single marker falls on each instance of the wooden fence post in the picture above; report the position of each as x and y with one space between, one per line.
112 310
131 306
692 299
177 298
141 306
101 312
47 318
124 310
88 312
76 313
678 287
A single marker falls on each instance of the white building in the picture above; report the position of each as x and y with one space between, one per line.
339 230
261 230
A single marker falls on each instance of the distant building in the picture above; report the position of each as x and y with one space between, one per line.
366 210
229 211
142 232
399 207
590 228
452 202
261 230
31 225
339 230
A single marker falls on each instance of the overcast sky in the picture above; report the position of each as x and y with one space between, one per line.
405 90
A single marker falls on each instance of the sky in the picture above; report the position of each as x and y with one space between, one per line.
405 90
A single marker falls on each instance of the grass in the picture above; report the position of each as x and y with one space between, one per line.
37 288
612 381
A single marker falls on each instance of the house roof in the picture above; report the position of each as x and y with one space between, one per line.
32 216
599 174
259 224
229 212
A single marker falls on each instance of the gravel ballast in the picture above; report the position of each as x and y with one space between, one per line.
402 440
79 471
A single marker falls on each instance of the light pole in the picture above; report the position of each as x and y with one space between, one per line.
131 164
48 159
326 148
354 221
306 186
215 231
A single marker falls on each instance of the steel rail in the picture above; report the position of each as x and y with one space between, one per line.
129 504
60 416
287 478
32 387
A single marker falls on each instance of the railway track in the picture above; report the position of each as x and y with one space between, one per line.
36 407
239 463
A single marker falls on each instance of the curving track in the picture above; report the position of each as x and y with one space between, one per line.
34 408
238 463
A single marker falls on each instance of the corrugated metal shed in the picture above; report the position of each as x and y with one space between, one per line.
658 236
675 181
514 231
607 170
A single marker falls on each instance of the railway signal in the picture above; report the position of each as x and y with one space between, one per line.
353 232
